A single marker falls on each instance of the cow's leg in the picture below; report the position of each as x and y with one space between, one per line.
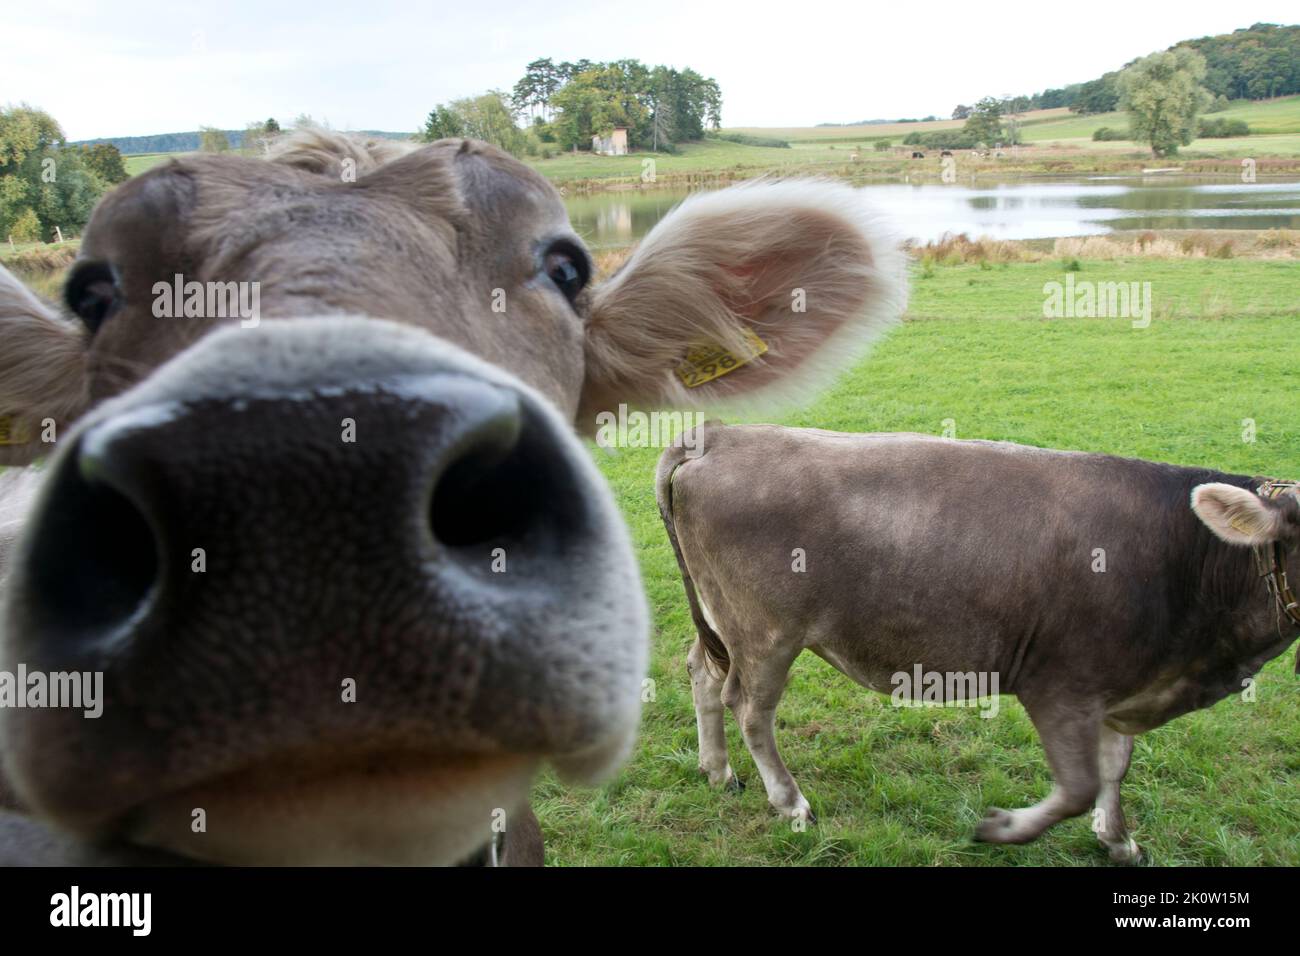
1114 751
706 688
1070 734
752 690
524 845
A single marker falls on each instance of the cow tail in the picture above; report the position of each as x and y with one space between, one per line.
716 652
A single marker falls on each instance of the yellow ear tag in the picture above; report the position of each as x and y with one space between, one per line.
705 362
12 432
1244 525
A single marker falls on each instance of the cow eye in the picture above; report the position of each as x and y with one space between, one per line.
92 293
567 267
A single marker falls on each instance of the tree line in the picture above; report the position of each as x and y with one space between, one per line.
566 104
248 139
187 142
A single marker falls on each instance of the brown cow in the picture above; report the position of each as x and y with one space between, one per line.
1109 595
349 580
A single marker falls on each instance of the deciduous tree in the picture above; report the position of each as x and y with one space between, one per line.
43 182
213 140
1163 96
105 161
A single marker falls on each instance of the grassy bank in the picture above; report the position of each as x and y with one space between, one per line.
43 254
892 786
1056 142
716 161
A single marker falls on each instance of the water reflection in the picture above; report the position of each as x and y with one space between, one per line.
617 218
1077 207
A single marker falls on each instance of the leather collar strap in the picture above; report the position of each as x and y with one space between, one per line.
1271 561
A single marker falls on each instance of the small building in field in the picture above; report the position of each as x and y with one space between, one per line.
615 144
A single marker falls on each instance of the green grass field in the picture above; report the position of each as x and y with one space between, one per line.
1281 115
140 162
712 156
8 251
1274 124
892 786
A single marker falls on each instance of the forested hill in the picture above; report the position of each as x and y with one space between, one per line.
1255 63
189 142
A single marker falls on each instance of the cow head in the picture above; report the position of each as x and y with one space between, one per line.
347 573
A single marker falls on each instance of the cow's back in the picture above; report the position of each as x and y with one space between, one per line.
884 551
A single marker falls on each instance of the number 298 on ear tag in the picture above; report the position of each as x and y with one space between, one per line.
707 361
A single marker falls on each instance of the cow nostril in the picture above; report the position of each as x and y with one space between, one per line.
486 496
95 561
503 491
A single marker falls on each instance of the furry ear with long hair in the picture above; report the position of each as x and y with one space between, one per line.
781 284
1241 517
42 372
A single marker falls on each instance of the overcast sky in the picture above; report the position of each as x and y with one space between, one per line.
126 68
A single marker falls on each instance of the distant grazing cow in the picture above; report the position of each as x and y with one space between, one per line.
1109 595
348 580
918 155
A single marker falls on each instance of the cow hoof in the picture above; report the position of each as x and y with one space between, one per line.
804 814
727 780
998 826
1127 852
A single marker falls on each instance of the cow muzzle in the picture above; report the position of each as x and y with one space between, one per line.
346 586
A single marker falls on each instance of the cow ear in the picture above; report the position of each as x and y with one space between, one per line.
42 372
1241 517
756 292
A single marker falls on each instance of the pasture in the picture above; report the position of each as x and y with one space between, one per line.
1057 141
141 162
1265 117
907 786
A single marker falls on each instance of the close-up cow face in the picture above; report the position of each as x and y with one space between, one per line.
352 579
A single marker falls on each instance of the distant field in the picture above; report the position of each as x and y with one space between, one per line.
1272 124
1072 126
140 162
710 155
1272 116
1266 120
1041 126
849 134
1060 142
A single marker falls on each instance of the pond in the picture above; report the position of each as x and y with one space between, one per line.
1020 210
